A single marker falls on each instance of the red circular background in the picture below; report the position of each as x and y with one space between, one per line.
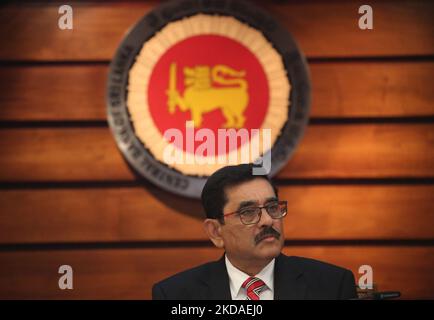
207 50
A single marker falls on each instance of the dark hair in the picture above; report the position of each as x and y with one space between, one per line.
214 196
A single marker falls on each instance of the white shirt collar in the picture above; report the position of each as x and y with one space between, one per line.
237 277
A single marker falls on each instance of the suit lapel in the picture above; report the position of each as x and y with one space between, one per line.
289 283
217 281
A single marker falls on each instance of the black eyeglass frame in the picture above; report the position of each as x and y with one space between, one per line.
281 204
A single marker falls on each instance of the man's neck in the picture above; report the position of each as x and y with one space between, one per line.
250 267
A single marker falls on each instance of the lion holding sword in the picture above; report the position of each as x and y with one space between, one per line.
200 96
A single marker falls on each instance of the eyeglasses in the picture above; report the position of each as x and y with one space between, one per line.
252 215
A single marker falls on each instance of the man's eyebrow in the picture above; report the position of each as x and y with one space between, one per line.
248 203
271 199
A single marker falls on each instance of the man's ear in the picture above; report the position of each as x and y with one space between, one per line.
213 230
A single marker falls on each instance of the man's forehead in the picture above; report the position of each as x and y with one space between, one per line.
257 190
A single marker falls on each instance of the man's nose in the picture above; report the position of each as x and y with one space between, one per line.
265 220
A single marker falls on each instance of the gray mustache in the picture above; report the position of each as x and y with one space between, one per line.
270 231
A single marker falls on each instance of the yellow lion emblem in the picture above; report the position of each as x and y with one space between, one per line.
200 96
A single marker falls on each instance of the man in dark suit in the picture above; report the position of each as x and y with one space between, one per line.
244 217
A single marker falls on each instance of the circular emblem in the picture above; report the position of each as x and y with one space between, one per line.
198 85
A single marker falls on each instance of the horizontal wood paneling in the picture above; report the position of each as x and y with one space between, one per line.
400 28
372 89
341 151
53 92
136 214
130 273
371 151
386 72
56 154
352 89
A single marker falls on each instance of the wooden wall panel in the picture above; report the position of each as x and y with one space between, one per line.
364 150
401 28
349 89
136 214
326 151
363 172
53 93
130 273
57 154
372 89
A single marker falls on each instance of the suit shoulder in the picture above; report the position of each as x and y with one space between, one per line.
326 281
314 266
181 283
187 275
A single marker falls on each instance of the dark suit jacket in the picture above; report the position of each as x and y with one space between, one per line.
294 278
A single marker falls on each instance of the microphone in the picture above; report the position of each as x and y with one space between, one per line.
386 295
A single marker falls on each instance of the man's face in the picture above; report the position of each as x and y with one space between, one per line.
246 241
